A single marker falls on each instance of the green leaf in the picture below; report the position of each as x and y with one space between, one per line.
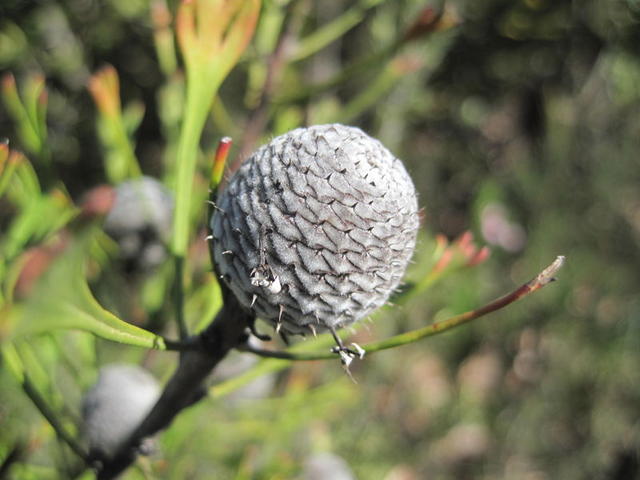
120 161
35 103
333 30
24 185
11 360
155 289
62 300
132 116
8 164
26 130
203 304
39 217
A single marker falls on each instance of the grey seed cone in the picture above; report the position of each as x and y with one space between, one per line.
140 221
316 228
114 406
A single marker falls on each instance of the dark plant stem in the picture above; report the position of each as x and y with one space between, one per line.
186 385
11 457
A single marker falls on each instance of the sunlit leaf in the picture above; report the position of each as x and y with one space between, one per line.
132 116
203 304
113 128
27 131
8 164
11 360
24 186
62 300
154 290
39 218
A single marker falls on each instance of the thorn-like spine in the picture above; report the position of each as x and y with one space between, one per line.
284 337
215 206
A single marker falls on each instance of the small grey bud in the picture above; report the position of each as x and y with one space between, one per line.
120 399
140 221
321 466
316 228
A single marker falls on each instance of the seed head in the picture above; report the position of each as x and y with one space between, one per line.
140 221
316 228
322 465
115 405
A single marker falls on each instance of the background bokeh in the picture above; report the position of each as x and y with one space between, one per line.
518 120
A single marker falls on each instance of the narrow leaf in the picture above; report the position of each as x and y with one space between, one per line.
62 300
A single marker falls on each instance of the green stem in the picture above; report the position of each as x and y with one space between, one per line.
200 91
358 68
179 298
123 142
186 157
266 366
39 402
542 279
370 95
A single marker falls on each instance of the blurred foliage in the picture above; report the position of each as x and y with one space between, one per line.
517 119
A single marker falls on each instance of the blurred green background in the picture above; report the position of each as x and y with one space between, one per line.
518 120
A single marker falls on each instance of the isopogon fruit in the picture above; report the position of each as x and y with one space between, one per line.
315 230
140 220
114 406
